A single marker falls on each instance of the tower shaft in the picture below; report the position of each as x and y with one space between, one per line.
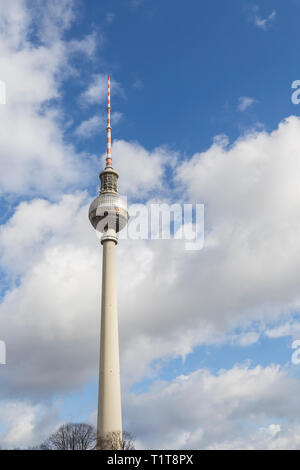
109 408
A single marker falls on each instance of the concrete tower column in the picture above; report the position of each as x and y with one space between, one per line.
109 411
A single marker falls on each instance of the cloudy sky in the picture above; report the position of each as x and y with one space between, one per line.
202 113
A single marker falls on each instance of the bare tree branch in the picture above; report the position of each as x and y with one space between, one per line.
72 436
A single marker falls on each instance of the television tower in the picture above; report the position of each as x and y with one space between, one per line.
108 214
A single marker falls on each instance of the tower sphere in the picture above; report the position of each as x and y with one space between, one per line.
108 210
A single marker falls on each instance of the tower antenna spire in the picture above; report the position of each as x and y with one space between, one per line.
108 129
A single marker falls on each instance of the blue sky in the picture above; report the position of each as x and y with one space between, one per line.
201 112
183 67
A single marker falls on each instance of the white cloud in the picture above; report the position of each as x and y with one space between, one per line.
248 267
96 93
96 124
169 300
246 338
250 192
116 117
240 408
245 102
23 424
14 22
54 18
264 23
142 171
41 329
289 328
91 126
86 46
33 73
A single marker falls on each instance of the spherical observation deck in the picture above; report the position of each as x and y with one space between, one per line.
108 210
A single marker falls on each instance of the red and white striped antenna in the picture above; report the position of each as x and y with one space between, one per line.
108 152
